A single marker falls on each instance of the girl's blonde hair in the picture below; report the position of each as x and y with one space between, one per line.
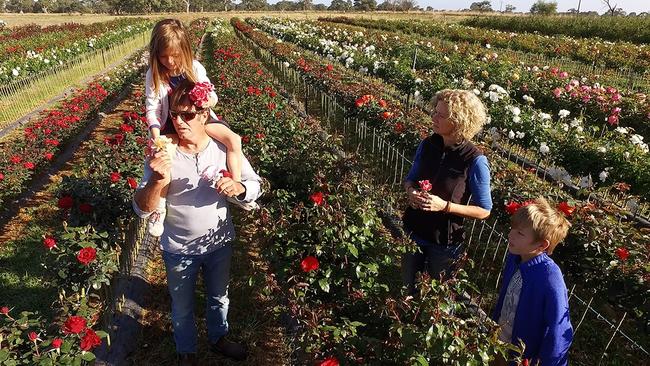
170 34
546 222
466 111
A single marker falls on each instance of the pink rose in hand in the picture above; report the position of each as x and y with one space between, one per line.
425 185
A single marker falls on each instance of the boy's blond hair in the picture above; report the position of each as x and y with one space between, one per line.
467 112
546 222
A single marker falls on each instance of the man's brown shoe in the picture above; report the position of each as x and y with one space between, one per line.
235 351
187 359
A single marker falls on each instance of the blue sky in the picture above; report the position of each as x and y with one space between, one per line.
524 5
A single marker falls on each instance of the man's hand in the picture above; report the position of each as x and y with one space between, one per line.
161 164
230 187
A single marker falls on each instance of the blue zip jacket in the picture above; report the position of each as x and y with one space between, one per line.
542 317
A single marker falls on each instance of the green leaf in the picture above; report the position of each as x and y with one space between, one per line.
88 356
4 354
422 361
324 284
353 250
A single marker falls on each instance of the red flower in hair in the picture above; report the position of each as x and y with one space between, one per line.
200 95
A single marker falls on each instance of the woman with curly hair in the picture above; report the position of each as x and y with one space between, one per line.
448 182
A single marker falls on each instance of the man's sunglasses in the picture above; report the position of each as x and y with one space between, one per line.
185 116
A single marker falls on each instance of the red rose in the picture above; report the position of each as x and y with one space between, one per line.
399 128
133 184
318 198
329 67
330 361
32 336
245 139
49 242
512 207
622 253
74 325
225 173
425 185
86 255
85 208
271 106
4 310
566 208
126 128
15 159
48 156
260 135
2 177
57 342
115 177
90 340
29 165
310 263
387 115
382 103
65 202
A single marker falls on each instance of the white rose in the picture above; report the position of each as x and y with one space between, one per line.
544 149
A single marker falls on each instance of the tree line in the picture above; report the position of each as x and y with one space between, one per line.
155 6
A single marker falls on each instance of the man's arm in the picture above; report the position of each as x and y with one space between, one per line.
156 178
248 190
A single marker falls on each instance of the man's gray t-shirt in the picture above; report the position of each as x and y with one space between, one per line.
198 218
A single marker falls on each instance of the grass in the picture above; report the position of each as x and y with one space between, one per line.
56 81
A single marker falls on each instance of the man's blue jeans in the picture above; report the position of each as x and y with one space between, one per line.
182 273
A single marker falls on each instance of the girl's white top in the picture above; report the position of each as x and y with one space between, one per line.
157 104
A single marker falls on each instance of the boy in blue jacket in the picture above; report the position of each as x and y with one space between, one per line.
533 306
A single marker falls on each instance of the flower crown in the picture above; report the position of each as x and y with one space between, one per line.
200 95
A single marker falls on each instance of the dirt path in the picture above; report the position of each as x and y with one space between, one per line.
250 316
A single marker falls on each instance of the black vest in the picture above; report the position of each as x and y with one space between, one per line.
447 169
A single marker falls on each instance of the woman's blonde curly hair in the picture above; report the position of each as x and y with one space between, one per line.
466 111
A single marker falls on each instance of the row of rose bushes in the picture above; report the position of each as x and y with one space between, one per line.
614 155
610 252
614 29
331 258
550 88
31 49
590 51
81 248
22 156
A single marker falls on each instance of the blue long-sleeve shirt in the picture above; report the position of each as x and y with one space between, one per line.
542 318
479 178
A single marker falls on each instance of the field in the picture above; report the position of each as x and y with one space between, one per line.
331 108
